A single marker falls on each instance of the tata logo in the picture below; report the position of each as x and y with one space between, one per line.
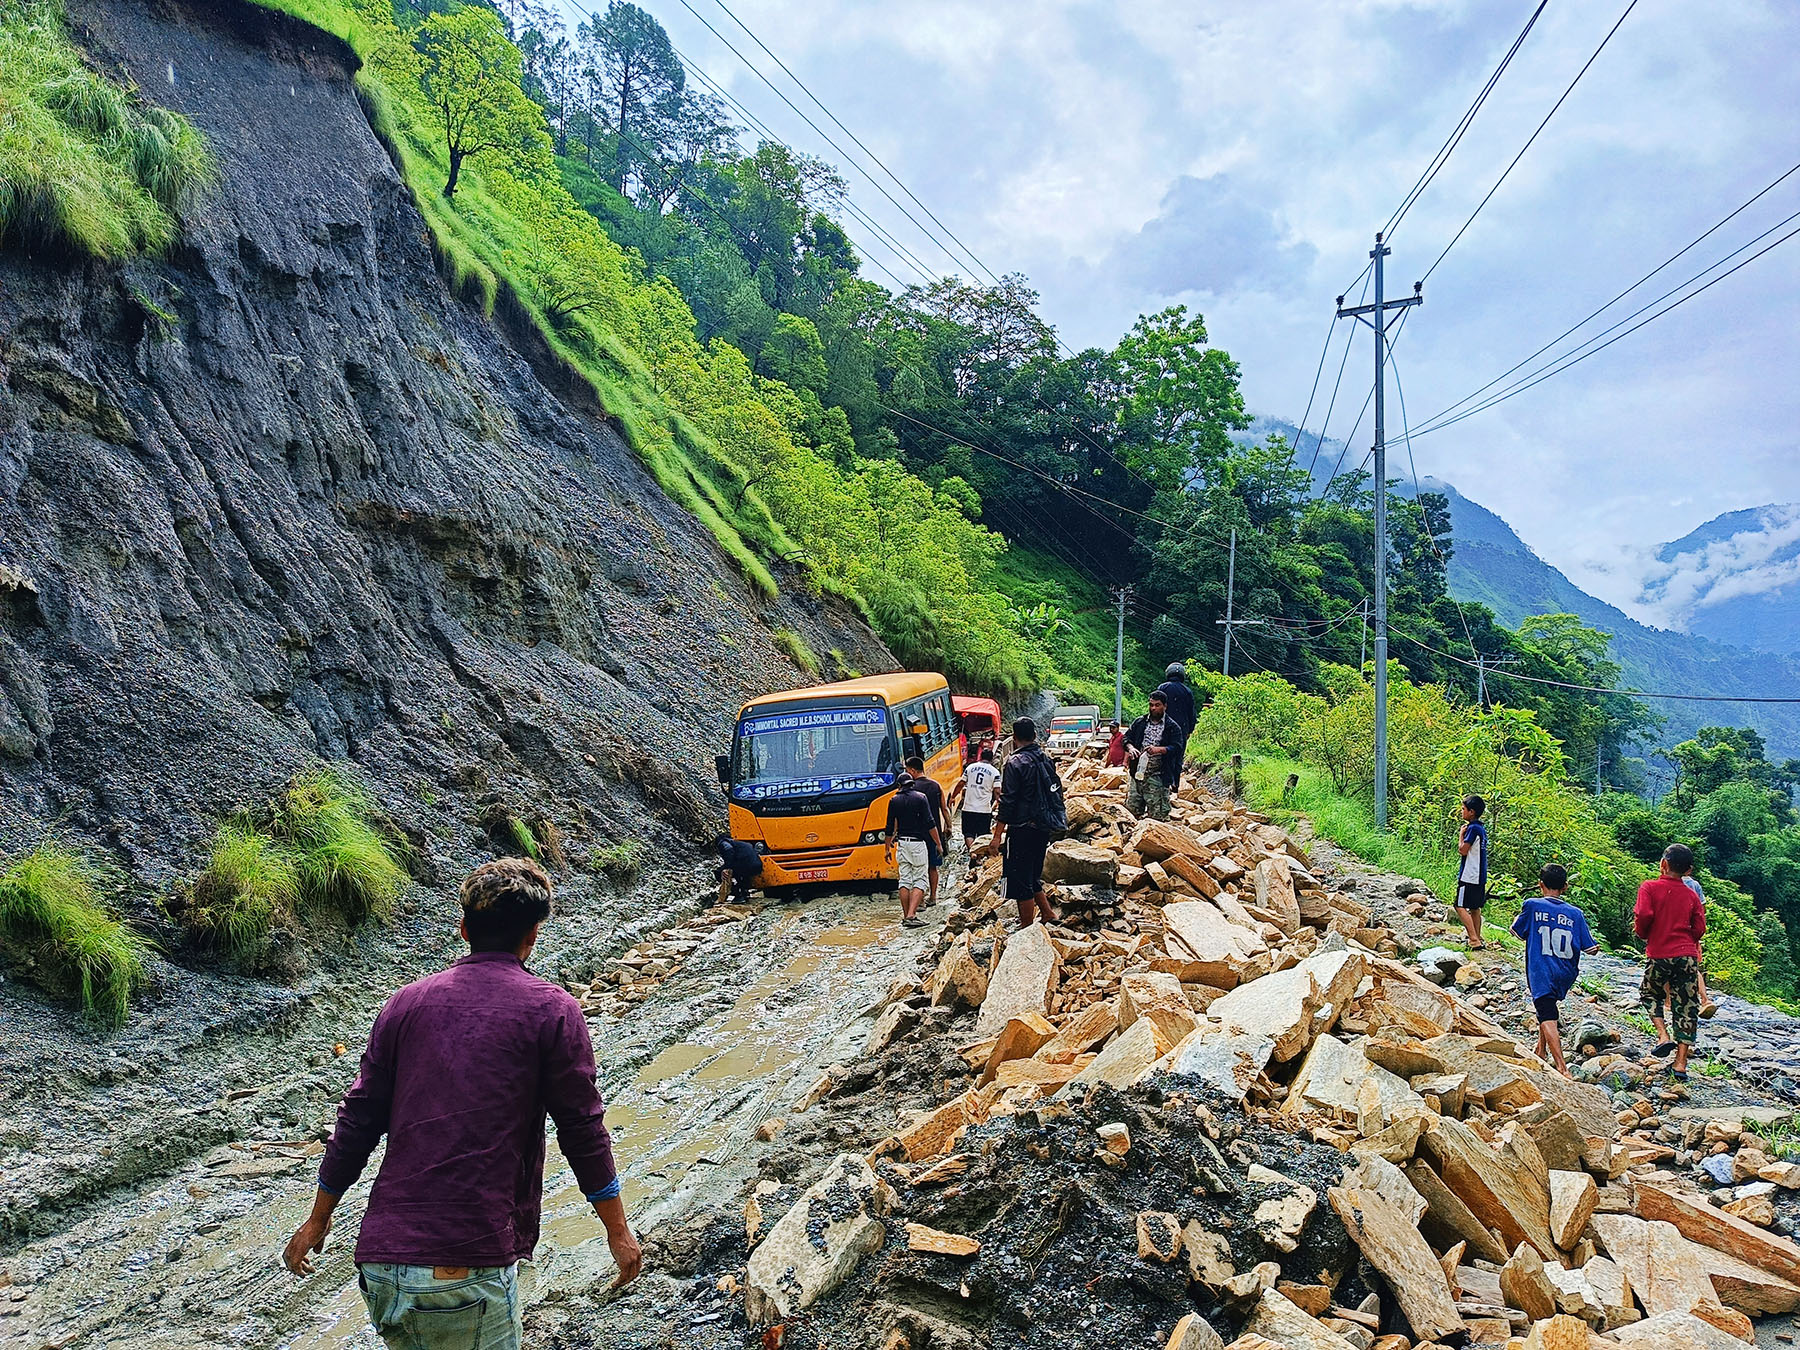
812 838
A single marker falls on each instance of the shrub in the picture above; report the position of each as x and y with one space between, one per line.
621 860
250 885
49 902
340 859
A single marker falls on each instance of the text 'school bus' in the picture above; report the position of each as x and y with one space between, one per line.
811 770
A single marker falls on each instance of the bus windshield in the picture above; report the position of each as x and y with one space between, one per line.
807 752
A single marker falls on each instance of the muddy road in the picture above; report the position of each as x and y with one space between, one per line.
739 1031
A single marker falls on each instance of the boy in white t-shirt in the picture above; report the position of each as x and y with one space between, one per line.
976 792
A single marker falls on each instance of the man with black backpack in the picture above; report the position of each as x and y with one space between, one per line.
1031 813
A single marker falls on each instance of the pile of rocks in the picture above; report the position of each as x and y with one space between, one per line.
1202 970
637 973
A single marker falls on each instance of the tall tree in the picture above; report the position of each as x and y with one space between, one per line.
471 74
1182 402
642 74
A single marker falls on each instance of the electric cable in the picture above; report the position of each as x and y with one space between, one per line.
1533 137
1685 248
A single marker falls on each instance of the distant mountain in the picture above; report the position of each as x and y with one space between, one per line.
1492 566
1735 579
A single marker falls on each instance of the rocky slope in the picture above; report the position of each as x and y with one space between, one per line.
280 497
1226 1094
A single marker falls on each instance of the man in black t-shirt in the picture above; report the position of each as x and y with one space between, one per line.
934 793
739 865
911 831
1029 793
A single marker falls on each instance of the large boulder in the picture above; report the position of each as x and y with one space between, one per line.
1022 981
813 1248
1081 864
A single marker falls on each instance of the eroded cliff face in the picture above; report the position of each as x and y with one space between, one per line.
280 496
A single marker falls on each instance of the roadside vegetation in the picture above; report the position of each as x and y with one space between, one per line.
51 914
1441 748
314 852
86 167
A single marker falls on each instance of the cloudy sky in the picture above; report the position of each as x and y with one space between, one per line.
1238 158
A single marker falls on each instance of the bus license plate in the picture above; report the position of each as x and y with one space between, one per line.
819 875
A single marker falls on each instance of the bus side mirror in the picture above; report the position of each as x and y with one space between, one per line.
723 764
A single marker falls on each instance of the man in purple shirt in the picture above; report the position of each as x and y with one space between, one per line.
460 1071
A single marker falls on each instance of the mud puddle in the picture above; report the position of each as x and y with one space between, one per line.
193 1258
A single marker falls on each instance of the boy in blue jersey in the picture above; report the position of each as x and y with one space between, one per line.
1556 934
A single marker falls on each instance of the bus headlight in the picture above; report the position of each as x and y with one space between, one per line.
872 837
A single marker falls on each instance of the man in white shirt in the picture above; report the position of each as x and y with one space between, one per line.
980 783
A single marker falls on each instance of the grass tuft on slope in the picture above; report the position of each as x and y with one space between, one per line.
86 167
50 907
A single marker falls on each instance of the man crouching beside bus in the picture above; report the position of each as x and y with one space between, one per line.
912 833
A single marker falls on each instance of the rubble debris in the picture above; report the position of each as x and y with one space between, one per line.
1121 1124
815 1245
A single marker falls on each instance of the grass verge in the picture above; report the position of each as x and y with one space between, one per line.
1345 821
50 907
86 167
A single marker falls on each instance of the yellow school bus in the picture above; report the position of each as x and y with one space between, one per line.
811 771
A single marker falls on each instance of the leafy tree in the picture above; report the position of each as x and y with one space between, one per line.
1182 398
470 74
794 354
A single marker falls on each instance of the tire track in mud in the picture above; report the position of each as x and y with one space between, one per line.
741 1029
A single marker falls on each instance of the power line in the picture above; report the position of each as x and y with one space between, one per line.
1566 364
1419 501
1599 689
1345 361
1533 137
849 159
1455 138
852 135
1686 248
882 234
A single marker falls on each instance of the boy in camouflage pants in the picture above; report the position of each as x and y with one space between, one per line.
1671 918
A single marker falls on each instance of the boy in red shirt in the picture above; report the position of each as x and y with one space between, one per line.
1671 919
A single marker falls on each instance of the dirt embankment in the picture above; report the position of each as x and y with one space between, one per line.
280 497
1224 1098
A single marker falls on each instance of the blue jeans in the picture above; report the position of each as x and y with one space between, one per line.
414 1310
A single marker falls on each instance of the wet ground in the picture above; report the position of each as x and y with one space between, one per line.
192 1258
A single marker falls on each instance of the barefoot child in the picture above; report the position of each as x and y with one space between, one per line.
1471 877
1555 933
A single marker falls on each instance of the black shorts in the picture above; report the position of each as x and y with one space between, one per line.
931 854
1022 874
1545 1006
975 824
1470 896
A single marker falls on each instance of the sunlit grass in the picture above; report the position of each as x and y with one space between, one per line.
50 906
85 166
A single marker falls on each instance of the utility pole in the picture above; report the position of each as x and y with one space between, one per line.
1483 664
1121 594
1375 316
1230 589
